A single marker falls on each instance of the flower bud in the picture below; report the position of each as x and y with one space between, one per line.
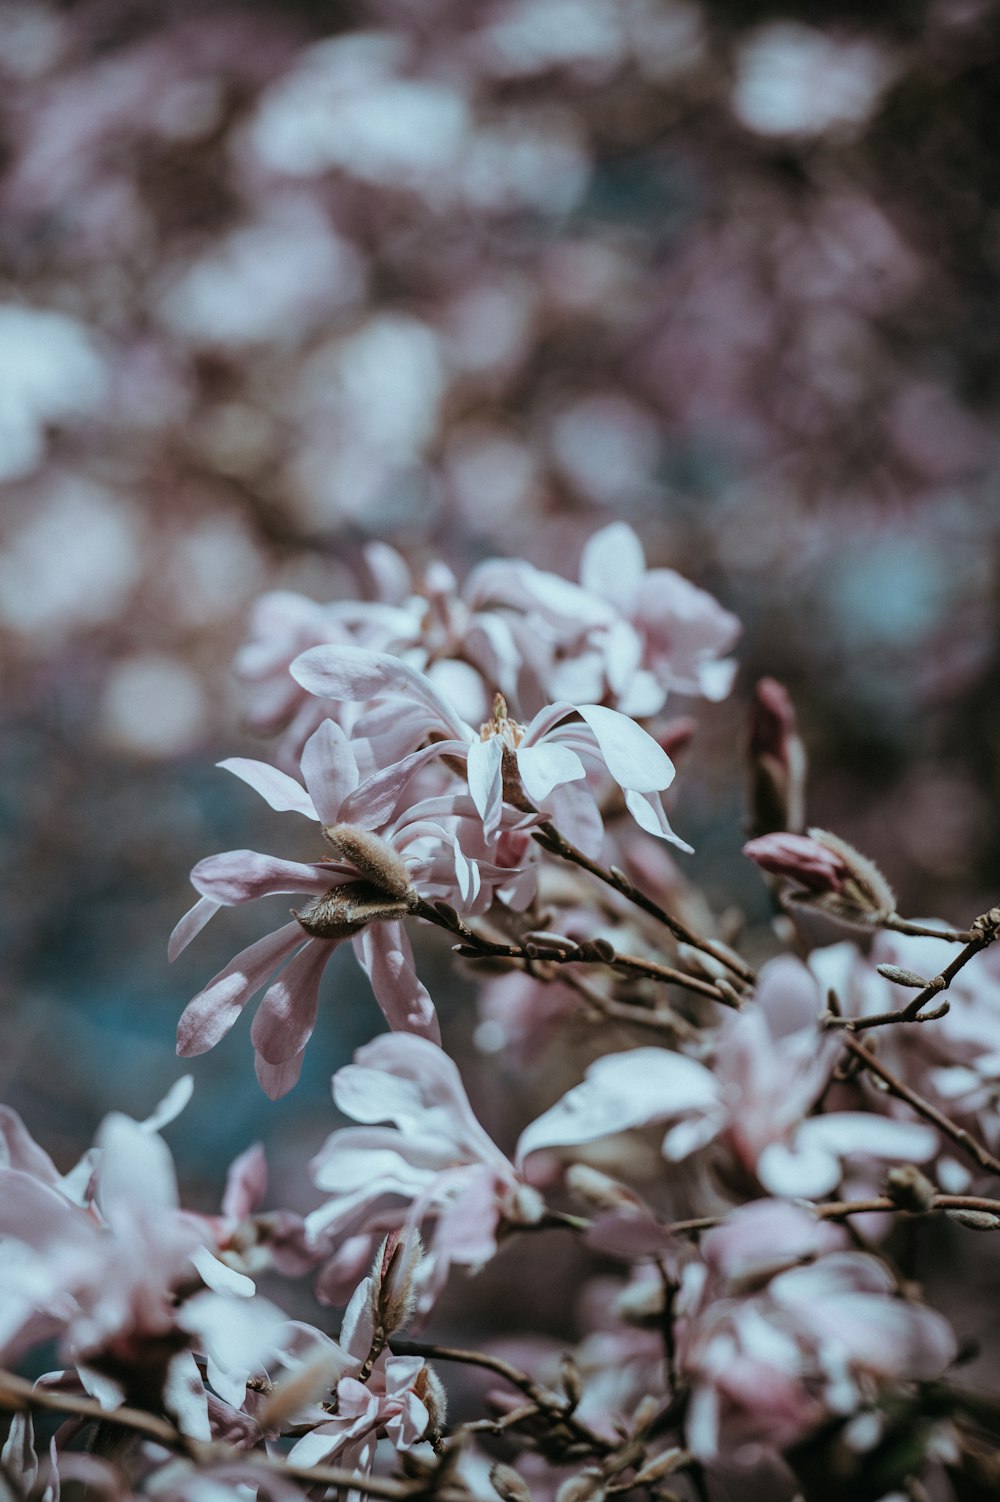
776 762
833 875
910 1189
371 856
393 1295
508 1484
801 859
975 1220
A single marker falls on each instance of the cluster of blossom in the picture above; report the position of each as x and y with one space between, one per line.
750 1334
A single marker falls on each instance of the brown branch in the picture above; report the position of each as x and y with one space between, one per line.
983 933
558 951
923 1108
550 839
548 1402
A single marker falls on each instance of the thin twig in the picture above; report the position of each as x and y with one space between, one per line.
924 1108
550 839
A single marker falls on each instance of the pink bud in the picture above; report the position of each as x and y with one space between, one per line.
800 858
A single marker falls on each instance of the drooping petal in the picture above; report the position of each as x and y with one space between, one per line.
191 925
630 753
237 876
276 788
287 1015
621 1091
277 1079
648 812
387 959
329 769
209 1015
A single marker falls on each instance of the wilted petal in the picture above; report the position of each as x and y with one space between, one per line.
209 1015
630 753
276 788
621 1091
287 1015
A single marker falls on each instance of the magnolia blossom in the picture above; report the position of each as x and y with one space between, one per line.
546 754
115 1279
625 632
435 1163
773 1349
389 854
770 1065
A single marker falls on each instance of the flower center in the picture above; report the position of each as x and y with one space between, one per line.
510 732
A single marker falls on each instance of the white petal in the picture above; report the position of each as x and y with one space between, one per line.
545 767
486 781
613 565
799 1172
648 812
630 754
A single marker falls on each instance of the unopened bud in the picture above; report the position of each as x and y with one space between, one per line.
508 1484
776 762
370 855
572 1384
664 1465
597 949
393 1293
430 1390
901 977
347 909
835 876
587 1487
975 1220
910 1189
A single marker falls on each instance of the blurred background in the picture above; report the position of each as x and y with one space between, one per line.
277 279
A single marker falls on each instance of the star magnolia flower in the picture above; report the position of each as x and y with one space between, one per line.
387 858
770 1066
435 1163
547 753
769 1362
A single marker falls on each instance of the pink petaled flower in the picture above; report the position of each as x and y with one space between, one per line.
771 1063
389 855
435 1163
553 750
105 1277
625 634
773 1349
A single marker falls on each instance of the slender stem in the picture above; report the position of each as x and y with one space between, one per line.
924 1108
476 946
900 925
543 1399
550 839
841 1209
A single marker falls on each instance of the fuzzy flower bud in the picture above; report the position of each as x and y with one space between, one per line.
834 876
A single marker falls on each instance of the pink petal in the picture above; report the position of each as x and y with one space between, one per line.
287 1016
277 1079
238 876
374 802
191 925
329 770
355 673
276 788
387 959
209 1015
246 1183
630 754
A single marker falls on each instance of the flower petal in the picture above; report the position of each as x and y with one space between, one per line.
329 770
387 959
630 754
191 925
276 788
210 1014
287 1016
542 768
238 876
648 812
486 781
